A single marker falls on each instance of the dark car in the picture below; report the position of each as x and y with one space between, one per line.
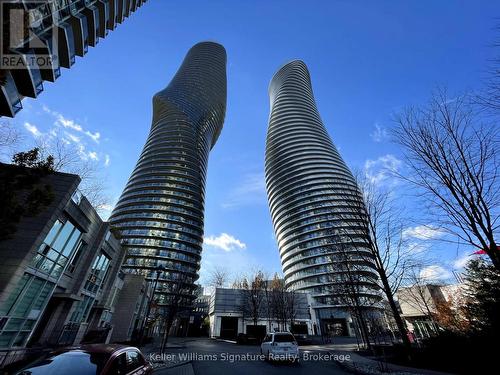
94 359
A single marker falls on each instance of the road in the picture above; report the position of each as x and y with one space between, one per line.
211 357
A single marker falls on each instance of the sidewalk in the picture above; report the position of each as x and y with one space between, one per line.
169 359
338 343
183 369
359 364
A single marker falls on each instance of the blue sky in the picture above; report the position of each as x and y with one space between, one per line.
367 60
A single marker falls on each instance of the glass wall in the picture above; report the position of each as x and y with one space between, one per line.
24 306
22 309
97 273
56 249
95 280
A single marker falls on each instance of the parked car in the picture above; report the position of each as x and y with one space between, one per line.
93 359
280 346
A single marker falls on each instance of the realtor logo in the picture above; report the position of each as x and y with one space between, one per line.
28 34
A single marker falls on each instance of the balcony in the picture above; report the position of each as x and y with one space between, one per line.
120 11
52 71
133 5
93 24
10 102
27 75
66 45
79 25
103 7
113 10
127 5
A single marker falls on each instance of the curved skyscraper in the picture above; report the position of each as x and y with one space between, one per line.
160 213
312 195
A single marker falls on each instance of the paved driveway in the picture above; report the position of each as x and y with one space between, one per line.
211 357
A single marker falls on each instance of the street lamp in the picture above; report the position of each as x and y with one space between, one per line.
159 270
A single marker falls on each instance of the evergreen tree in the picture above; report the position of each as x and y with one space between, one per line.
482 306
22 192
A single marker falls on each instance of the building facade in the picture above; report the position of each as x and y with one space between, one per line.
129 315
59 272
229 318
58 30
314 201
160 213
419 303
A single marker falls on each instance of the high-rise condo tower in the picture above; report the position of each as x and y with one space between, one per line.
160 212
313 197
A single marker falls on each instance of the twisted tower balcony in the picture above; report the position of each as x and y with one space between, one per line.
312 196
160 213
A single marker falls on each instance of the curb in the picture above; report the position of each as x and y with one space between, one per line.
163 366
363 369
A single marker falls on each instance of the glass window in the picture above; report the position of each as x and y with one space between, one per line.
53 232
56 249
31 293
22 309
77 197
6 338
63 236
70 245
82 309
284 337
119 366
99 269
134 360
21 338
78 254
11 299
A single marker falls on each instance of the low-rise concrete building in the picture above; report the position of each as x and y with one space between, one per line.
419 303
58 273
229 317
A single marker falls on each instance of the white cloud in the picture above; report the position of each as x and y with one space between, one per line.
224 241
32 129
237 263
81 152
71 137
107 160
67 123
417 248
94 136
252 190
107 207
93 155
382 169
461 262
423 232
435 273
379 134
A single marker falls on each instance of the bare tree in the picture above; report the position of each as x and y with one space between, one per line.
283 303
387 249
67 158
218 277
266 286
350 277
453 160
10 138
489 98
179 299
252 289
